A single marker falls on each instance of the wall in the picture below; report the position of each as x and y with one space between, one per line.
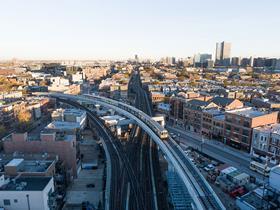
66 150
38 199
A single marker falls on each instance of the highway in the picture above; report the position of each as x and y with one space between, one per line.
155 131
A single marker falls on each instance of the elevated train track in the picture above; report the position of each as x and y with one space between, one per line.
202 194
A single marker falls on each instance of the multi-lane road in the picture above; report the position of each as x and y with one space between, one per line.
226 155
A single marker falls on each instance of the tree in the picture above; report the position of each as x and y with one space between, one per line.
24 119
2 130
181 78
43 83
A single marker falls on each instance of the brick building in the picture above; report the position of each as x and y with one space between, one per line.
211 124
239 125
193 114
227 103
48 142
177 104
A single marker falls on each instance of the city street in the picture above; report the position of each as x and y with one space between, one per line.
217 150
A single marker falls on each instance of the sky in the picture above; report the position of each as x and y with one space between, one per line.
118 29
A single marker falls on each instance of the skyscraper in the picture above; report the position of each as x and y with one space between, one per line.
136 58
223 50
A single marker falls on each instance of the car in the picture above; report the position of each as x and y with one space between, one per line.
90 185
209 167
257 159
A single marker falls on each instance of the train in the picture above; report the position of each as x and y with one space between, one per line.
155 126
161 132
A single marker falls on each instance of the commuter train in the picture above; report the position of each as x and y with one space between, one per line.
155 126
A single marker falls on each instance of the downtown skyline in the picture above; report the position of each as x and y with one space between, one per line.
118 30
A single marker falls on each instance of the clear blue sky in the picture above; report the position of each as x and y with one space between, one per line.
92 29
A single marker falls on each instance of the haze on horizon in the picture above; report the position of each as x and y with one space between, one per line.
92 29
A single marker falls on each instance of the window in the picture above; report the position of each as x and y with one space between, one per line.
245 132
244 139
246 124
236 129
15 200
7 202
228 127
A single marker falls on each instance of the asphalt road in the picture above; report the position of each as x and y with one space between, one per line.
220 153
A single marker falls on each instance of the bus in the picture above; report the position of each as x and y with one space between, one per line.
260 168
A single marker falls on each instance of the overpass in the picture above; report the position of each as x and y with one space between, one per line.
202 194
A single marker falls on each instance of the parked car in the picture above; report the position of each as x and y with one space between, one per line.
90 185
209 167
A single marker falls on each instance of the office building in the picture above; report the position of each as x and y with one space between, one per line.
235 61
223 51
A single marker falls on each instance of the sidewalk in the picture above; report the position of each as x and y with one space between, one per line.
217 144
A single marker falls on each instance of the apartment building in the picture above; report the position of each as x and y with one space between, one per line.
177 104
212 123
26 193
266 142
227 103
60 144
218 127
193 112
157 97
70 115
25 167
239 124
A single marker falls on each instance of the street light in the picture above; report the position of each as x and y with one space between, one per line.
265 167
202 142
28 202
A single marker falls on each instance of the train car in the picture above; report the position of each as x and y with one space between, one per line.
155 126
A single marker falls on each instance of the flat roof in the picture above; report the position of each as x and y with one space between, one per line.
27 184
77 112
248 112
253 199
213 111
112 117
63 125
219 117
228 170
30 165
15 162
273 128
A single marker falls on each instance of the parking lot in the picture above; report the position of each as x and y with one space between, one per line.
88 186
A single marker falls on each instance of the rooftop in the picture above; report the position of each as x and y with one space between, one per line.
15 162
27 165
77 112
252 199
113 117
214 112
196 102
63 125
248 112
274 128
219 117
27 184
222 101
